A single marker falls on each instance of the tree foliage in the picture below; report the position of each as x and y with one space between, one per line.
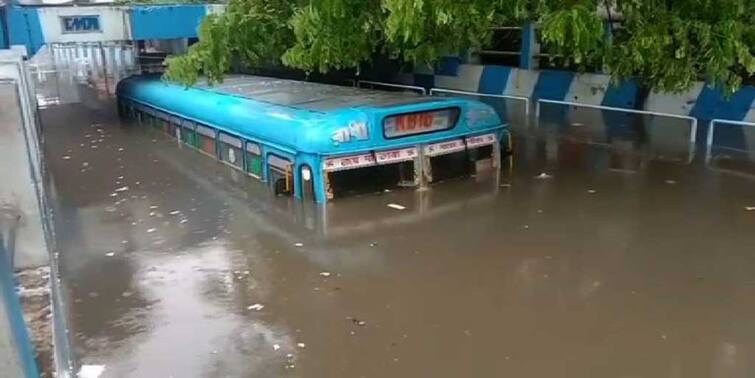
665 44
421 31
334 34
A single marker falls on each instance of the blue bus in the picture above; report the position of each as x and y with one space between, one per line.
317 141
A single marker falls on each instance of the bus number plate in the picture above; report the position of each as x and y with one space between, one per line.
418 123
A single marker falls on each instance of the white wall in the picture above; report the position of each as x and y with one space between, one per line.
114 22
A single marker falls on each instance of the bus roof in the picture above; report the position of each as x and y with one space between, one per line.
308 95
302 116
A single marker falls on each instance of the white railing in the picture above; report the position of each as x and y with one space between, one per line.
419 89
693 120
526 100
712 130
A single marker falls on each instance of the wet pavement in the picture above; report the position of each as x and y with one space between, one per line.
585 258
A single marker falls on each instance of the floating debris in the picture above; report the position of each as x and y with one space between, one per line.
749 208
577 124
256 307
591 191
276 346
396 206
84 164
151 230
543 176
66 157
301 345
298 244
91 371
505 185
671 182
325 274
174 212
110 254
122 189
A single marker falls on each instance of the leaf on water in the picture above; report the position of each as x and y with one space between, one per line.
91 371
256 307
396 206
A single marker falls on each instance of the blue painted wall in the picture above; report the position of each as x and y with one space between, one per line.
622 95
24 28
163 22
494 79
711 104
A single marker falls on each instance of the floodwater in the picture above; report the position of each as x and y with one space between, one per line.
586 258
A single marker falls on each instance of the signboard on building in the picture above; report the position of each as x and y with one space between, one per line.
81 24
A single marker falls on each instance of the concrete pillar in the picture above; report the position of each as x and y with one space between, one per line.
529 46
94 67
130 56
115 69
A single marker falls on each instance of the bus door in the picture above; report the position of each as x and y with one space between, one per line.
280 175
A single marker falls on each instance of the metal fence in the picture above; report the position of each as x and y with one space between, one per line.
518 116
710 137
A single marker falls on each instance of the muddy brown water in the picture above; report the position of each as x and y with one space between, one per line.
583 260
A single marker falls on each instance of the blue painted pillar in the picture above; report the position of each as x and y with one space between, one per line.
3 30
24 28
529 41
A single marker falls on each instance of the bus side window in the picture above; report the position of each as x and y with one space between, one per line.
280 175
188 135
230 150
253 160
160 118
206 140
174 127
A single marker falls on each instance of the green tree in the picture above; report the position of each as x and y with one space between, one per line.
252 32
665 44
334 34
422 31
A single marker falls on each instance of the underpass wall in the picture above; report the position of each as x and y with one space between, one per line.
700 101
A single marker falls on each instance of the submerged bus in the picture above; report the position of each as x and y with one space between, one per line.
317 141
